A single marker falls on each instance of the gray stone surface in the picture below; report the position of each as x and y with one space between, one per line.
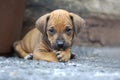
90 64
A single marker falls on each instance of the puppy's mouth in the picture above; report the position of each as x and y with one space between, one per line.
60 48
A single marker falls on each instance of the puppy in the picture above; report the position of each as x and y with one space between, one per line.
52 37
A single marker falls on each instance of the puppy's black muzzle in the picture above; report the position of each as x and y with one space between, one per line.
60 43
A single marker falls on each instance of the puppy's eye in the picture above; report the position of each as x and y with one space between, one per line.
68 30
51 31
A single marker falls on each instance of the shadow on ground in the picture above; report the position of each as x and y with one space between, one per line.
90 64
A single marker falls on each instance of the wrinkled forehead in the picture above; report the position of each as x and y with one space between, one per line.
59 18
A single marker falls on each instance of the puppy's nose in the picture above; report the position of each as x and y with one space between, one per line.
60 43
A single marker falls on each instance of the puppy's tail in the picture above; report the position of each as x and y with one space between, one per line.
16 43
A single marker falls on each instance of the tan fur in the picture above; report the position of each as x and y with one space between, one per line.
38 41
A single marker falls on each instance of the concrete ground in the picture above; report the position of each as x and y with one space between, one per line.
90 64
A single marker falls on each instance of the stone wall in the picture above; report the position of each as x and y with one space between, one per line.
102 18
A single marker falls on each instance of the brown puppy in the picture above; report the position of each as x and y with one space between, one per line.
52 38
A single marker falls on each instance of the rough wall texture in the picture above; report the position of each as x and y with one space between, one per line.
102 18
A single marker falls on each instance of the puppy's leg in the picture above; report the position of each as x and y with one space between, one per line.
64 56
19 49
29 56
46 56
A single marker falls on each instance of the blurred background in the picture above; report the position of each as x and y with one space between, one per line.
97 58
102 18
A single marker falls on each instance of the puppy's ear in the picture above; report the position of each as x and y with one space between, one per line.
78 22
41 23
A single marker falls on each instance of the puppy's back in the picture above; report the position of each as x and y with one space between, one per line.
31 40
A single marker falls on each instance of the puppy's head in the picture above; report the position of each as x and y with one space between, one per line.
60 27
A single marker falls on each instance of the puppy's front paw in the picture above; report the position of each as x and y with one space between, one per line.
29 56
63 56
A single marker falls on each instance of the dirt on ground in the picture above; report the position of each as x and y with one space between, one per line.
89 64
